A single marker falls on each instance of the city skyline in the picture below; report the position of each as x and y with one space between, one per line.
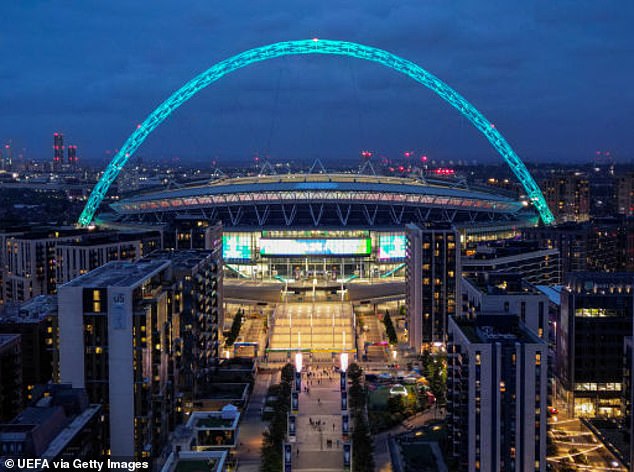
535 70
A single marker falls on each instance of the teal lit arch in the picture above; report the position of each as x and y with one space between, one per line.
314 46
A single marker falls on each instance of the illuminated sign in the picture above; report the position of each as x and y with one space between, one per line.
392 246
315 247
236 246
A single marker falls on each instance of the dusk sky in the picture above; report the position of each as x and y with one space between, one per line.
554 76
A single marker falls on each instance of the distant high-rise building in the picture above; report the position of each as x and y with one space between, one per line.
73 160
432 281
582 246
625 194
497 378
568 196
596 316
6 158
58 151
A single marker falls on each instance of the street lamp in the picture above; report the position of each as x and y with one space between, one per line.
344 367
298 371
298 362
344 361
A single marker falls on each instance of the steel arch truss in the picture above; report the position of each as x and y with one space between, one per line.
315 46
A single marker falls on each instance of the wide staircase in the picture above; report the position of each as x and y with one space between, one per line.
322 328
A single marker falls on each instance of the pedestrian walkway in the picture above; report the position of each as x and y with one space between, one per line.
252 426
319 440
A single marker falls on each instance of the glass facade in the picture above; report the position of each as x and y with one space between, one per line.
307 254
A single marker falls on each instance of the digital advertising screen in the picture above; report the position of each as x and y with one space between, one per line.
316 247
236 246
392 246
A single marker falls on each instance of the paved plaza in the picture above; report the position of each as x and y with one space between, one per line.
319 443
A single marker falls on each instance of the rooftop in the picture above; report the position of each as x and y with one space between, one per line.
603 283
70 431
183 259
194 461
119 274
502 328
6 339
32 311
109 237
333 181
508 249
330 187
552 292
226 419
501 283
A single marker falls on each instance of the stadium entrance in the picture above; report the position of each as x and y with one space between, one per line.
323 255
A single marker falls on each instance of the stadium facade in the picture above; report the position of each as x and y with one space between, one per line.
323 225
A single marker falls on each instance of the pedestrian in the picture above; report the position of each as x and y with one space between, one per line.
333 426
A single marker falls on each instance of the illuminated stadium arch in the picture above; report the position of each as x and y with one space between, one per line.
314 46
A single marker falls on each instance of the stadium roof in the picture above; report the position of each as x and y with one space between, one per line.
323 200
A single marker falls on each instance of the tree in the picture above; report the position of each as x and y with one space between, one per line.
273 439
288 374
438 381
395 404
235 328
362 446
354 372
389 328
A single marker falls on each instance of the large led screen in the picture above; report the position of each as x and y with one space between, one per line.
392 246
315 247
236 246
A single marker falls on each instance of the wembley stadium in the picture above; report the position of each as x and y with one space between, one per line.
322 225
